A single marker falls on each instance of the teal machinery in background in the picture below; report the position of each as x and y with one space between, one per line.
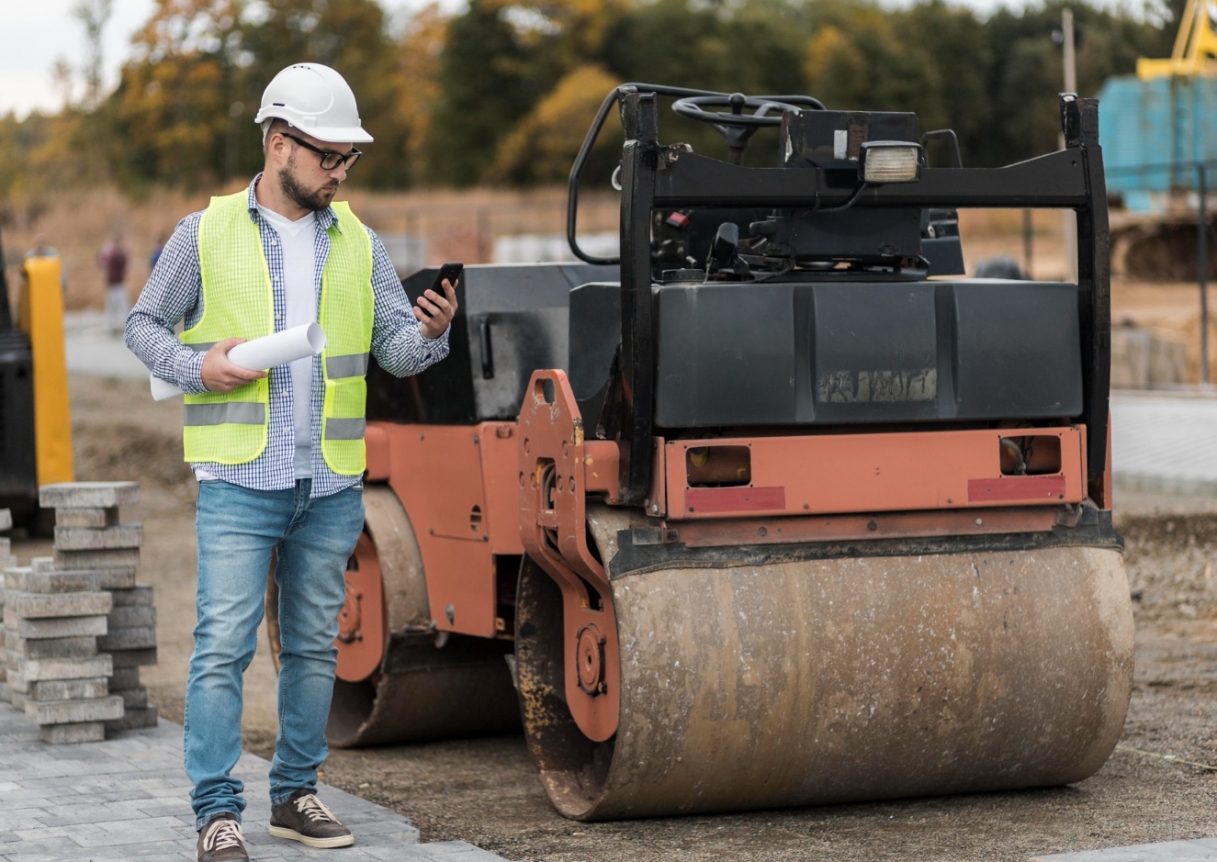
1153 133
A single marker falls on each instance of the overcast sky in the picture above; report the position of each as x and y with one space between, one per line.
37 32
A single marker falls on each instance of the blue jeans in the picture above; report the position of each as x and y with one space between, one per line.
238 528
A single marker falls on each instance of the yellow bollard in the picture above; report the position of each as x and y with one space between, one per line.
41 317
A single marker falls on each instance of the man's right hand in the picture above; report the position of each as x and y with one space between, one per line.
220 375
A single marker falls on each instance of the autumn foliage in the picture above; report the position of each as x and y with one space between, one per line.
503 91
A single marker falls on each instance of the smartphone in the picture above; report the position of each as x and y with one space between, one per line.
449 271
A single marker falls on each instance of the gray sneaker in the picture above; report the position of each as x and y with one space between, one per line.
304 818
221 840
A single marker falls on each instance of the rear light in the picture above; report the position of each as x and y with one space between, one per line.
890 162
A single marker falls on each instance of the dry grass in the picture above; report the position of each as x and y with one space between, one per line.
458 225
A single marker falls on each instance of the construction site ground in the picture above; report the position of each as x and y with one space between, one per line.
485 791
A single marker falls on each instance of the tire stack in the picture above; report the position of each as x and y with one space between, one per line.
90 536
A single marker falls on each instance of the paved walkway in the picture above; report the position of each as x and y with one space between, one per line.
92 349
127 799
1198 850
1165 442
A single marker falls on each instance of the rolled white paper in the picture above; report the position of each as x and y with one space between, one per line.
260 354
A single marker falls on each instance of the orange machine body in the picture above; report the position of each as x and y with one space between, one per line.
461 487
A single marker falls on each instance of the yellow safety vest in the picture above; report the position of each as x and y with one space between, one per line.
238 302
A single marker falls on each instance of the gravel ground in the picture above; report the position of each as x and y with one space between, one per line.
486 791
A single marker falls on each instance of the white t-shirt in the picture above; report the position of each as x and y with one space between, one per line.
300 293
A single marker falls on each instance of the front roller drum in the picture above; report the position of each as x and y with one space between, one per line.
828 681
397 680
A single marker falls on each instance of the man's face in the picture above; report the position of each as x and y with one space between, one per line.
301 176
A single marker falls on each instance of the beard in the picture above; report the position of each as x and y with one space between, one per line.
314 200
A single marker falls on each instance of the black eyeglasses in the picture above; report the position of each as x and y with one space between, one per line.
329 159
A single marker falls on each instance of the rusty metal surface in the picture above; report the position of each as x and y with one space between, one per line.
433 701
401 562
422 691
554 531
828 681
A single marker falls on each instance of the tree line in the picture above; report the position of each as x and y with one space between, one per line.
503 91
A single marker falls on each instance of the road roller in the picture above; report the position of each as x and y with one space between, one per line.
777 507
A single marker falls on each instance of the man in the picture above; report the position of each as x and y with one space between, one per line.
279 458
113 262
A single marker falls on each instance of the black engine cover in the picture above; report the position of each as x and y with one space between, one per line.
731 354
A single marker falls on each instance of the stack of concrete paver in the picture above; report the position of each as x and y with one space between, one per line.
90 536
7 560
52 620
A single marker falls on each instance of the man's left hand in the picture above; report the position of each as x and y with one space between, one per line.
435 312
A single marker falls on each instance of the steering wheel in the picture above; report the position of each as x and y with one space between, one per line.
737 127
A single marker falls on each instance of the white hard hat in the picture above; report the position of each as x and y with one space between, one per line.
316 100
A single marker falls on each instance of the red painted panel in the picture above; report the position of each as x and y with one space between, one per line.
437 474
1017 488
881 472
708 500
376 440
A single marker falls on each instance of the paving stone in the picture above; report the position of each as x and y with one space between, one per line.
88 495
31 580
15 576
120 536
117 579
1198 850
115 559
92 518
50 808
133 698
41 605
68 689
135 718
72 711
134 657
18 700
75 732
136 638
77 647
62 627
124 677
37 670
6 695
123 617
141 594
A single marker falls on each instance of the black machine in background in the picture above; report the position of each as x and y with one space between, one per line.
18 467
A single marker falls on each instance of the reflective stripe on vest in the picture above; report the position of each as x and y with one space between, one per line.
236 412
238 301
345 429
352 365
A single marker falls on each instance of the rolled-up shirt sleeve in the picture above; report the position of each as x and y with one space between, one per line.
174 291
398 342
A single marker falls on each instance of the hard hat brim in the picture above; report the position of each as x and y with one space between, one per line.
340 135
329 134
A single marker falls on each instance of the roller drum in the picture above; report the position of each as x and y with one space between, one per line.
827 681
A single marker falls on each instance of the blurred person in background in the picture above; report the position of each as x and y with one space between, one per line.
279 456
113 262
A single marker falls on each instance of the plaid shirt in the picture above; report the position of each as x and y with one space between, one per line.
175 292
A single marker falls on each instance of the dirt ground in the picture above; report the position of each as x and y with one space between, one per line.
486 790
